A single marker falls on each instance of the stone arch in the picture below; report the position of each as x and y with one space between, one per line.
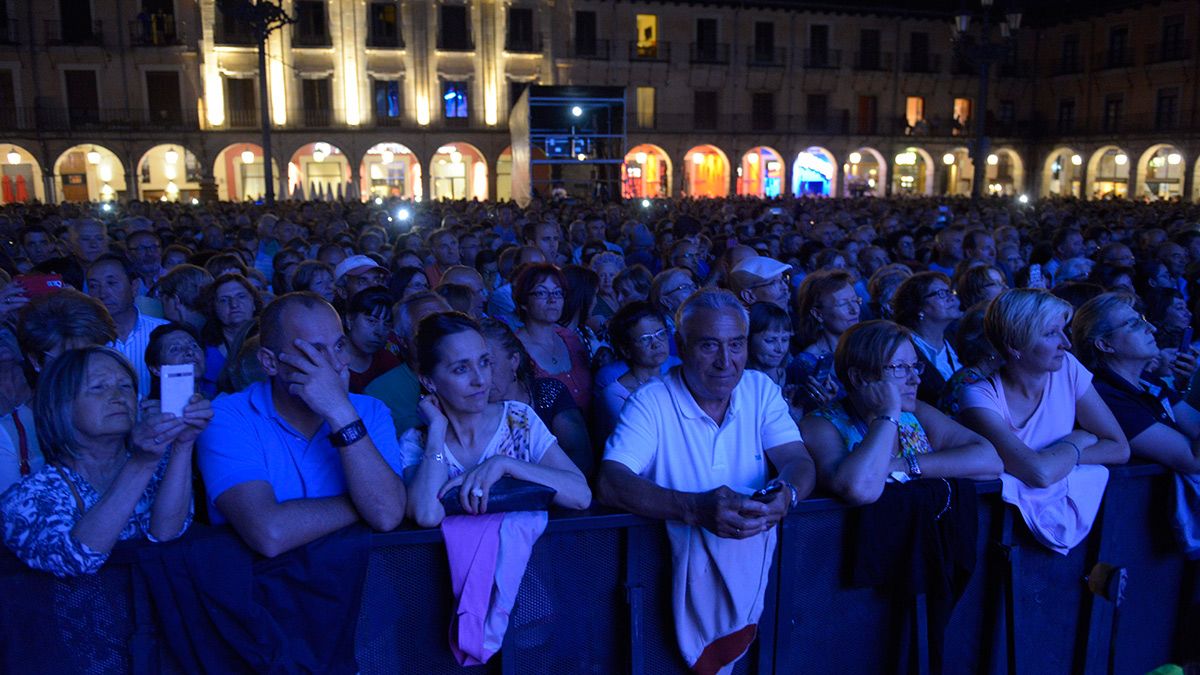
89 172
20 175
1160 172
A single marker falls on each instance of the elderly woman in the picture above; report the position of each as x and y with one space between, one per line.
1045 418
556 351
640 336
107 477
670 288
979 283
881 288
825 306
314 276
471 441
607 266
175 344
926 304
231 302
880 431
1117 344
632 283
513 380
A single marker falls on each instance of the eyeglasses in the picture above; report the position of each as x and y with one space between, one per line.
177 350
542 294
902 371
647 340
942 294
1135 323
689 287
781 280
855 302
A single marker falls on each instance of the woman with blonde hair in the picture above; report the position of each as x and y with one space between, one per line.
1044 418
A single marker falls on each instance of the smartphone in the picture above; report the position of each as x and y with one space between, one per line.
768 493
177 384
1186 343
37 285
776 211
824 368
1036 280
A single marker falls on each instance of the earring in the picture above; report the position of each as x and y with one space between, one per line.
920 316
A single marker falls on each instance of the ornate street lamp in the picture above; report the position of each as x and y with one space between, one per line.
263 17
981 49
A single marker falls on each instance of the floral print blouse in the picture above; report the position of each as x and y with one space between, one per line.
38 514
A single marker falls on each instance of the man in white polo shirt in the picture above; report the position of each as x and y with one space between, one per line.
691 449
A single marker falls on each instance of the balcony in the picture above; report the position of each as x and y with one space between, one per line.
595 50
712 53
74 33
311 40
455 43
243 119
922 63
762 57
1164 52
97 119
821 58
523 44
872 61
156 31
385 40
313 118
659 51
835 122
1113 58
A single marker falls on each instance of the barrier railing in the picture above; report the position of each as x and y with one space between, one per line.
596 598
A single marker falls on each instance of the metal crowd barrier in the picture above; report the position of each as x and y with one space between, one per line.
595 599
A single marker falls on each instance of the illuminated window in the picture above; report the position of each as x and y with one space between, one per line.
647 36
387 100
914 110
962 115
454 100
645 107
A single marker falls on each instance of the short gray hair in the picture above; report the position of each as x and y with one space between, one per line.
712 299
54 402
1015 317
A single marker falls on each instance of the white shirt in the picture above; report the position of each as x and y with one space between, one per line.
664 436
134 349
946 361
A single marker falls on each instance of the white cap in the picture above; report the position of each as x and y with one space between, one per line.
352 264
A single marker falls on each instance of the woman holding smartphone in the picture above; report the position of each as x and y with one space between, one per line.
826 305
471 442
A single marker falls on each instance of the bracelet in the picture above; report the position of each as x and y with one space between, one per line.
1078 454
795 500
349 434
888 418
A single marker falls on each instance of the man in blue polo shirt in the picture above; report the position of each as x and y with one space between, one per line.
296 457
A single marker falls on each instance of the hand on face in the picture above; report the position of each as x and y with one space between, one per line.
318 378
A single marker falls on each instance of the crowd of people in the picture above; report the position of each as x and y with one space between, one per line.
710 363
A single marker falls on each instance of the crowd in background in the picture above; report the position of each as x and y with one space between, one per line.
906 338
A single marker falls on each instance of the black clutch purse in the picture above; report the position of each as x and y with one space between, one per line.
507 494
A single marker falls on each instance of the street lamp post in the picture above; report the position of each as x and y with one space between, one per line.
984 50
263 17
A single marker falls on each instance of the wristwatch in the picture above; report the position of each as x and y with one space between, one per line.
914 469
348 435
